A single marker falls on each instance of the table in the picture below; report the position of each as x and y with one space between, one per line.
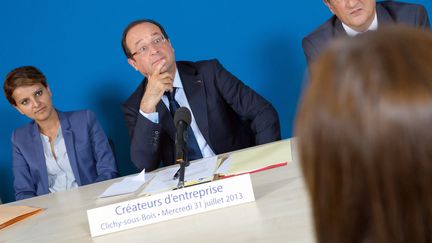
281 213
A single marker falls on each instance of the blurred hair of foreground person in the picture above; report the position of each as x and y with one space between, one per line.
365 138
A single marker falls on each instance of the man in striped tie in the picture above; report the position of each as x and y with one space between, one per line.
227 115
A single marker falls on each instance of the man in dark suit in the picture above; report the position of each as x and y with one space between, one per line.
354 17
227 115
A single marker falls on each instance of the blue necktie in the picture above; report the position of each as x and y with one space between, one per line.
194 151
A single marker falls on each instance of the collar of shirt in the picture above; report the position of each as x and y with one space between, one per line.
351 32
180 97
56 139
177 81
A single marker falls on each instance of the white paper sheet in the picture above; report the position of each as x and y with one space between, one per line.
224 167
127 185
201 169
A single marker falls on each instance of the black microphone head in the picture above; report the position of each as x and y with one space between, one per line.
182 114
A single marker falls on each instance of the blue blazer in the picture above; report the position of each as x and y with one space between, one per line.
87 146
388 12
229 114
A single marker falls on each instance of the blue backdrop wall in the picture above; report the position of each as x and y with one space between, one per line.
76 43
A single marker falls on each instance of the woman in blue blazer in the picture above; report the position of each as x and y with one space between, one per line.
57 150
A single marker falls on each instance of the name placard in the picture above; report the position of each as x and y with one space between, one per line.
170 205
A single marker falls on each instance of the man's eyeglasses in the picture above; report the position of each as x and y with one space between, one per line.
337 1
156 42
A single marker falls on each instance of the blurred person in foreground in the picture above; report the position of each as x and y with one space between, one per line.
354 17
365 138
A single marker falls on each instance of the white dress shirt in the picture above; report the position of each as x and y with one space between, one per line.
180 97
60 174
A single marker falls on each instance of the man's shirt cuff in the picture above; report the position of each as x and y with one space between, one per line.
153 117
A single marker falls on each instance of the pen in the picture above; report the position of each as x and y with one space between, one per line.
176 175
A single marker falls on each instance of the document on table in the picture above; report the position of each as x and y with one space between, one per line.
197 172
127 185
262 157
13 214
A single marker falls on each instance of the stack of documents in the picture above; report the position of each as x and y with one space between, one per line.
198 171
249 160
259 158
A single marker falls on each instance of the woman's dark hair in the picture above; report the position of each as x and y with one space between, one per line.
22 76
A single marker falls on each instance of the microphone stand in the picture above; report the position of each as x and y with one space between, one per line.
181 175
182 120
183 160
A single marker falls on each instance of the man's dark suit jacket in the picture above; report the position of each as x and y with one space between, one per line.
230 115
388 12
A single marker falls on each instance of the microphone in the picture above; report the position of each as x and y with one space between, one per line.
182 119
